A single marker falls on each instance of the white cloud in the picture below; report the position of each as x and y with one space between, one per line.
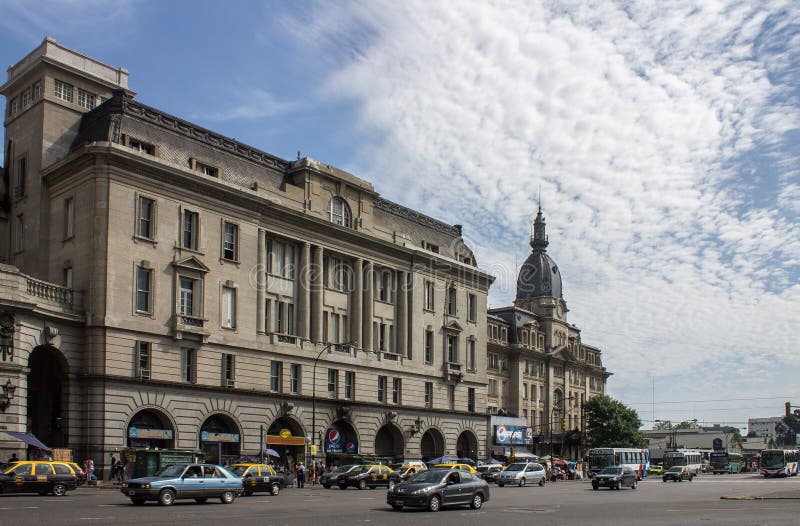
248 103
632 118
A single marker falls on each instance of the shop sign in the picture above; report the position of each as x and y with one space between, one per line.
209 436
335 442
514 435
159 434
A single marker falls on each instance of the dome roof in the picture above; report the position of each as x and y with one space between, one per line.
539 275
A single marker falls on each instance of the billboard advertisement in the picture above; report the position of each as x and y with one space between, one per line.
513 435
335 442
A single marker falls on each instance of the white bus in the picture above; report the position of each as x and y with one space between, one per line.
637 459
691 458
779 462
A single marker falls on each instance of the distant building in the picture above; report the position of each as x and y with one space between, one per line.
763 427
660 440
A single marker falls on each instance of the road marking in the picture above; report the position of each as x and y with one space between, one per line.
96 518
31 508
366 498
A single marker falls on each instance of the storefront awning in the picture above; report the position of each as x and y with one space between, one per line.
275 440
28 438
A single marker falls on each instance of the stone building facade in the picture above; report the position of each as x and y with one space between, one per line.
538 367
166 286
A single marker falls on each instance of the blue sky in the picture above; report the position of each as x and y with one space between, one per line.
664 136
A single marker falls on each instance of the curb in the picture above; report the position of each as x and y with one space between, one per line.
751 497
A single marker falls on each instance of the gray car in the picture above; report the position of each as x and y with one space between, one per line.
184 481
522 473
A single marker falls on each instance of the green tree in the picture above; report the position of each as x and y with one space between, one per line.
787 429
611 423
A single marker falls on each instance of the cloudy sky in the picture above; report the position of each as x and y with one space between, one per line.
664 137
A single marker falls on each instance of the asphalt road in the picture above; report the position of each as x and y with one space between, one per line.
654 502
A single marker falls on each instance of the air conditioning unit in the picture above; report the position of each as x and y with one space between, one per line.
144 374
230 382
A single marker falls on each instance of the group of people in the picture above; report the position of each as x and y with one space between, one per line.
311 474
117 471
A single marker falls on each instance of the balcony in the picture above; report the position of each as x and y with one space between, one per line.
24 291
192 326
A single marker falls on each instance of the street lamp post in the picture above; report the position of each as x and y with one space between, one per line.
314 437
552 410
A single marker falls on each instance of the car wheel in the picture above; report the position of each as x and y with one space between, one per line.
691 477
477 501
59 490
166 497
663 480
501 485
203 500
397 507
635 483
435 503
617 486
275 489
227 497
521 482
138 502
248 492
326 486
595 487
362 484
541 481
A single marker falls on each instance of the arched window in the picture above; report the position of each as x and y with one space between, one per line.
340 212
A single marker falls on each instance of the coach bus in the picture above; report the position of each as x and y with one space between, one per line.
691 458
779 462
724 462
635 458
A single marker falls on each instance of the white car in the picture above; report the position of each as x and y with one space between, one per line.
522 473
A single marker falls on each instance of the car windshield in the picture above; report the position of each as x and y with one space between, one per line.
431 476
360 469
171 470
517 466
611 471
237 470
676 469
772 460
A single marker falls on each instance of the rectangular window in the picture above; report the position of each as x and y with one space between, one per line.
284 318
86 99
451 301
397 390
333 383
428 346
68 278
12 107
452 348
471 400
228 370
144 286
451 396
294 379
69 217
188 365
333 328
281 258
191 225
22 177
473 308
336 273
147 209
187 297
349 385
205 169
493 362
492 387
381 336
141 146
37 91
229 307
143 360
230 242
472 355
275 376
385 285
382 381
62 90
429 296
19 238
428 394
26 98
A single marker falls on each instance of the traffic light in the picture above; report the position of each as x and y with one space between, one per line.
788 408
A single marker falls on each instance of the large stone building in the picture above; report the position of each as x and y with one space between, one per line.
538 367
166 286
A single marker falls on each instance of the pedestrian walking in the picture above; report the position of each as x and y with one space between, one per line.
301 475
90 469
112 472
120 471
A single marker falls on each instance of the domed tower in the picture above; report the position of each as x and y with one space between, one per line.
539 280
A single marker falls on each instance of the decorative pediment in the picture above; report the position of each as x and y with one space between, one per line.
564 353
191 263
453 326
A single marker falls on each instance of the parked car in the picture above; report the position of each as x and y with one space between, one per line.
678 474
439 487
79 472
368 476
332 478
184 481
615 477
489 473
42 477
258 477
522 473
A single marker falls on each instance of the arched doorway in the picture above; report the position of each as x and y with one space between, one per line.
220 440
467 445
47 396
151 429
389 443
286 436
431 444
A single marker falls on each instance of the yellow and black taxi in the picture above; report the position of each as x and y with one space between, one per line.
457 465
42 477
258 477
332 477
368 476
407 471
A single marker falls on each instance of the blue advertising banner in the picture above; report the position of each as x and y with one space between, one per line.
336 443
513 435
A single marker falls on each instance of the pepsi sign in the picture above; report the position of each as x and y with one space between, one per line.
513 435
336 443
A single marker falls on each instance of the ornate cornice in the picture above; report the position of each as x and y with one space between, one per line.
412 215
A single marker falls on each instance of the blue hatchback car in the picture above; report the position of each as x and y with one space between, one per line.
184 481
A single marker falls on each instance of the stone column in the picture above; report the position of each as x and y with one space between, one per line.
356 299
261 281
304 292
369 287
316 295
401 313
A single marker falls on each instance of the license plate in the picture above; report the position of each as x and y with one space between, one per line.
131 493
399 502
